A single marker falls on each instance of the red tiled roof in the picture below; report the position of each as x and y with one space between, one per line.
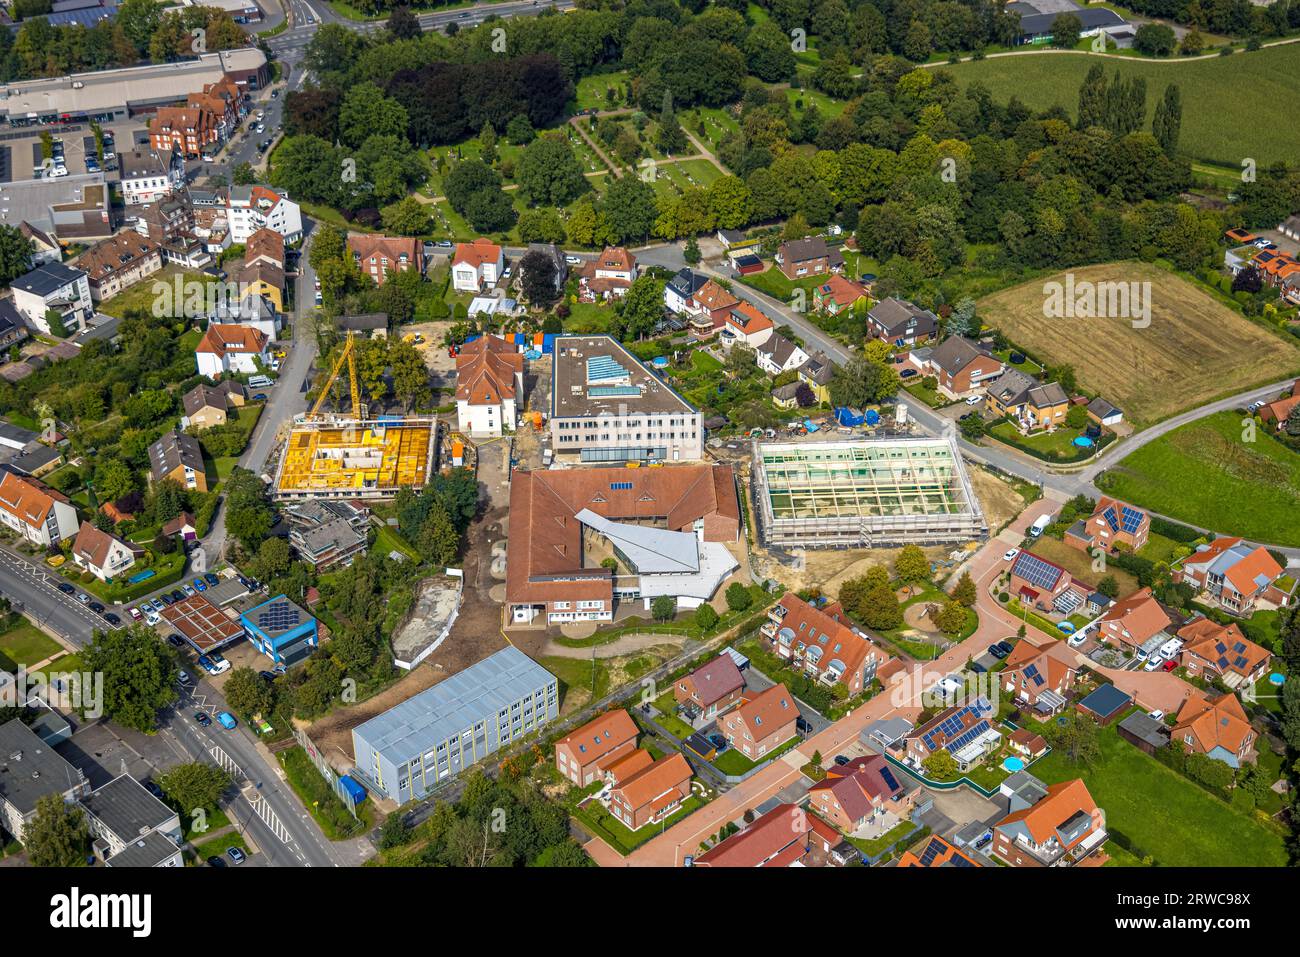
1062 802
600 735
657 782
477 253
222 338
765 843
28 500
486 375
1213 722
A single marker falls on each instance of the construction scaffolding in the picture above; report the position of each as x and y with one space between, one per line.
361 460
864 493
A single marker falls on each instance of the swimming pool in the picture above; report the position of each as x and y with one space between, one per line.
1083 442
1276 678
1013 765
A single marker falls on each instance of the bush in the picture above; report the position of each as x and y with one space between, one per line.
738 597
705 617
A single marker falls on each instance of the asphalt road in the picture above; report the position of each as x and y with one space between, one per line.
32 584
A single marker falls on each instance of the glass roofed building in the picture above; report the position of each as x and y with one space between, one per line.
865 492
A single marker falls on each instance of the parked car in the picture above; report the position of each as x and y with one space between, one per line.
165 599
997 652
112 619
974 399
152 788
178 595
236 855
158 604
184 678
211 579
841 759
1156 715
200 584
83 598
1077 639
1005 645
188 590
227 720
202 718
135 614
1169 665
573 260
1011 554
96 607
175 640
152 618
802 726
213 667
1153 663
65 588
260 397
907 373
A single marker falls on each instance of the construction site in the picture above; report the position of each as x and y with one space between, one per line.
864 493
353 455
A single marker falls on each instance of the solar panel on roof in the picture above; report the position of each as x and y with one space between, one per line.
1240 662
932 850
605 391
279 617
619 486
1109 516
1036 571
604 369
1132 519
1032 673
887 776
1223 662
1220 647
1239 647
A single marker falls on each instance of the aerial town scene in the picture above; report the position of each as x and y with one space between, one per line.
649 434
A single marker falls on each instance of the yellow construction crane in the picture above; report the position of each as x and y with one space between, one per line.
349 356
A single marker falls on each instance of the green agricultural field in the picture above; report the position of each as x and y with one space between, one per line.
1166 815
1206 474
1215 127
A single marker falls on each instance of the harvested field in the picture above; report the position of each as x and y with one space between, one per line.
1194 350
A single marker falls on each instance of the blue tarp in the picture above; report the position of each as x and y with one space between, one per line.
355 790
847 416
872 417
810 425
548 343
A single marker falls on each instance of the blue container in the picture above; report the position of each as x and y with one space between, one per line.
548 343
872 417
355 790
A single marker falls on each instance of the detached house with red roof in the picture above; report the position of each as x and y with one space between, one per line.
837 294
584 754
103 555
745 325
711 688
36 512
1216 727
936 852
762 723
1061 829
1044 585
477 266
1222 651
489 386
227 347
822 643
1134 622
652 794
1235 576
1111 525
1040 678
608 276
965 731
780 838
709 309
380 255
864 791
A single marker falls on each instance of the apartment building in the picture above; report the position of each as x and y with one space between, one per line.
36 512
117 264
30 770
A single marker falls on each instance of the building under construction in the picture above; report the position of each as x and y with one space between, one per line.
332 455
864 493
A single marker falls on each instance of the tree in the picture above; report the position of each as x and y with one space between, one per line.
394 832
537 277
1076 738
438 541
1154 39
972 427
881 610
139 676
57 835
248 693
1066 28
767 51
940 765
911 565
1077 417
1167 123
16 252
409 217
705 617
403 24
1108 586
951 618
113 480
519 130
863 382
691 252
487 139
965 591
670 138
738 597
194 786
664 607
641 307
549 172
541 226
629 209
367 112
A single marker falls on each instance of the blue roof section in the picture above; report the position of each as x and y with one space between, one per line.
1106 701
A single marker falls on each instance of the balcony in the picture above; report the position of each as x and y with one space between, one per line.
768 629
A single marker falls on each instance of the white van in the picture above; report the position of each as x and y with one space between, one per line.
1040 526
259 381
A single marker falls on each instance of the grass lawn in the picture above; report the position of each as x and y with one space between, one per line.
930 397
215 820
1079 564
1214 126
613 832
219 845
1057 446
732 761
1163 813
1161 549
666 705
142 295
580 680
24 644
1195 349
387 540
64 665
1205 474
591 90
876 846
324 805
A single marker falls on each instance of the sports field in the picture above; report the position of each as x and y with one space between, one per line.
1215 127
1215 474
1195 349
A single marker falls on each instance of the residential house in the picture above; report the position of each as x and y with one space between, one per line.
653 794
608 276
763 723
1027 744
265 280
1040 678
862 792
679 292
250 312
1133 621
822 643
36 512
13 326
54 287
250 208
489 386
583 755
377 256
935 852
477 266
103 555
1030 404
264 244
1042 584
786 396
30 770
711 688
777 354
746 325
205 407
185 129
148 176
779 838
132 828
712 304
901 323
1211 650
556 256
1235 576
117 264
817 372
960 367
178 457
1113 524
1060 830
801 258
227 348
1216 727
328 533
172 223
182 525
236 392
837 294
966 732
1103 413
45 247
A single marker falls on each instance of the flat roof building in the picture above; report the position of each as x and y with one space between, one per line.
30 770
606 406
132 828
865 493
436 734
281 630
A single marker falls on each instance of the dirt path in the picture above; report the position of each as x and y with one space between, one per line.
624 645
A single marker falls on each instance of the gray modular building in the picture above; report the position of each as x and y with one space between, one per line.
406 751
